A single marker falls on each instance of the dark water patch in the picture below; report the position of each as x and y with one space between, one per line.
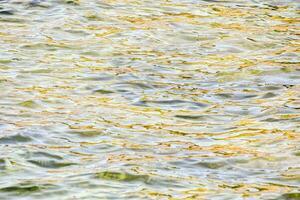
101 91
186 162
271 87
293 104
25 188
87 133
290 196
176 103
93 77
178 133
28 104
125 91
212 164
142 85
135 85
205 117
72 2
195 163
224 95
39 4
40 154
134 178
236 96
6 12
39 71
244 96
122 176
140 103
12 20
77 32
91 53
21 189
272 120
288 85
297 153
15 139
2 164
243 110
48 46
268 95
51 164
191 117
5 61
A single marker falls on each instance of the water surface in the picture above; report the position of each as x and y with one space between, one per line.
165 99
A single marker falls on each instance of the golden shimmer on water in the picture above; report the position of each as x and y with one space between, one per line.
165 99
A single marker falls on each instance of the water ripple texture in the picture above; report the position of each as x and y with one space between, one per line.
158 100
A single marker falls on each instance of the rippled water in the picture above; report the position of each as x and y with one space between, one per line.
165 99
